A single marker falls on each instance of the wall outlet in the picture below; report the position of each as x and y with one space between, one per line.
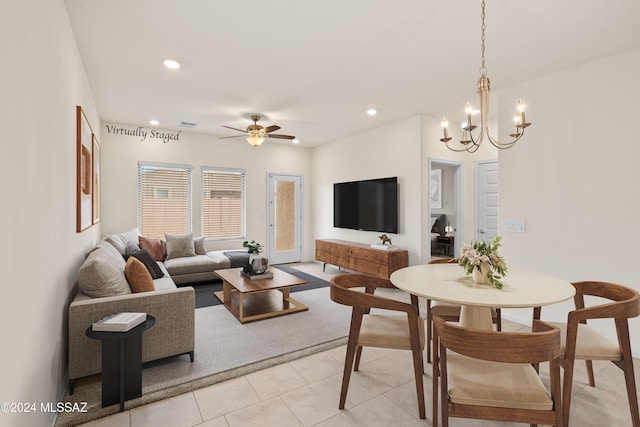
514 226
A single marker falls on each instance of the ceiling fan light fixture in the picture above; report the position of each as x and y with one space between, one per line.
255 140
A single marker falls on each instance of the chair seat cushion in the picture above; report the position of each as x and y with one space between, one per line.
388 331
590 344
486 383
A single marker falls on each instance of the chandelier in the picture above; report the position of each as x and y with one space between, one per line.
469 142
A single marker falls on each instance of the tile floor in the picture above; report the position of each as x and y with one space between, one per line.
305 392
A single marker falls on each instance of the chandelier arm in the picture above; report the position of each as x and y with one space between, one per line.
459 150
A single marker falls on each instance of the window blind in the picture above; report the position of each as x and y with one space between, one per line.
164 199
223 203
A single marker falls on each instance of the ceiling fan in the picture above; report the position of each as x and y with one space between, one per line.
257 133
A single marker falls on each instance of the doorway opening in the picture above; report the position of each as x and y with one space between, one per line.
445 208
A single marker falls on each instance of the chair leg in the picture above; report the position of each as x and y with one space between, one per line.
498 319
418 371
592 380
354 332
567 389
356 366
429 331
629 375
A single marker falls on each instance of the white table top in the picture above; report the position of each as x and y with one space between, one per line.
448 283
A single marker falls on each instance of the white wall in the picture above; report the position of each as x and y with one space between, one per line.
121 153
42 82
387 151
573 178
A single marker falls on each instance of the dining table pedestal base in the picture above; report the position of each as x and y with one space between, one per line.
476 317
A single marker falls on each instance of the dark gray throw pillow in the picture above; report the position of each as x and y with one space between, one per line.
146 258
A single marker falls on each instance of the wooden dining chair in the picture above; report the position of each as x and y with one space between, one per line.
379 329
450 312
582 342
488 375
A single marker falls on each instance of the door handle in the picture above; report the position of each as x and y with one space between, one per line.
481 231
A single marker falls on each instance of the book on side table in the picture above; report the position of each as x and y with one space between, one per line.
119 322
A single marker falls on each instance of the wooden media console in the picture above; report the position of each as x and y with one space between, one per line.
361 257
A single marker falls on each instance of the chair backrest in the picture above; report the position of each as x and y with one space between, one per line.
443 261
342 293
625 301
509 347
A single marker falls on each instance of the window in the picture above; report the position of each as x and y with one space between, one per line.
164 199
223 203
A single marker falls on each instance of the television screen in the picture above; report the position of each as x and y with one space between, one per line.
370 205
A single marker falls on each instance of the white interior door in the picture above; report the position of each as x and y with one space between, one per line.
486 200
285 218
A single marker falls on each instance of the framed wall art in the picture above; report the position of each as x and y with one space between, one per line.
435 189
84 168
95 152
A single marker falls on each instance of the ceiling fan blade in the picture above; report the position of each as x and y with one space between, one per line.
239 130
234 136
271 128
277 136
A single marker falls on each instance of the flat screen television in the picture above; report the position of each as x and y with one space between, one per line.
370 205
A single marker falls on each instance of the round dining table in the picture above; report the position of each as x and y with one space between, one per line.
448 283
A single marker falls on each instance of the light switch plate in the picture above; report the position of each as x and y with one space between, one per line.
514 226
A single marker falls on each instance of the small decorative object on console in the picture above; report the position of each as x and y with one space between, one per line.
484 258
385 239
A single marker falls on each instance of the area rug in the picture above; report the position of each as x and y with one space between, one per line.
226 349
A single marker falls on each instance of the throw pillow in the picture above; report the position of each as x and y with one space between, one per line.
118 242
145 257
152 245
102 275
130 249
198 243
180 245
138 276
131 235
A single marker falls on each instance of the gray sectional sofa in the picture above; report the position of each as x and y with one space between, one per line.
103 289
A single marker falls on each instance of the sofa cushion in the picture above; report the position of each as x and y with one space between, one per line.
131 235
102 276
190 265
130 249
180 245
152 245
199 246
138 276
118 242
151 265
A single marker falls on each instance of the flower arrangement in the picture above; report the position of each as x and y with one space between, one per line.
474 254
252 246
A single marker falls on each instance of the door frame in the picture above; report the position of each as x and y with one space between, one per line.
271 217
458 224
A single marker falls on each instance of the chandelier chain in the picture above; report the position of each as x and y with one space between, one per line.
483 68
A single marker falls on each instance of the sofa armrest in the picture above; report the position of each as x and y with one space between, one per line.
172 334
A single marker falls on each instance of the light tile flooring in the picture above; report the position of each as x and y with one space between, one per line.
305 392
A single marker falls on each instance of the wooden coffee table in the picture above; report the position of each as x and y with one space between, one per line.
251 300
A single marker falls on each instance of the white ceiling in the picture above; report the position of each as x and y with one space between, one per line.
313 68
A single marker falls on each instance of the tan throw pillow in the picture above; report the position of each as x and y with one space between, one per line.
180 245
152 245
138 276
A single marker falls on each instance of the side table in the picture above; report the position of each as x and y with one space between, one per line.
121 363
446 242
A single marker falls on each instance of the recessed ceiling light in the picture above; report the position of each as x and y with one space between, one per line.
154 122
171 64
372 111
295 141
